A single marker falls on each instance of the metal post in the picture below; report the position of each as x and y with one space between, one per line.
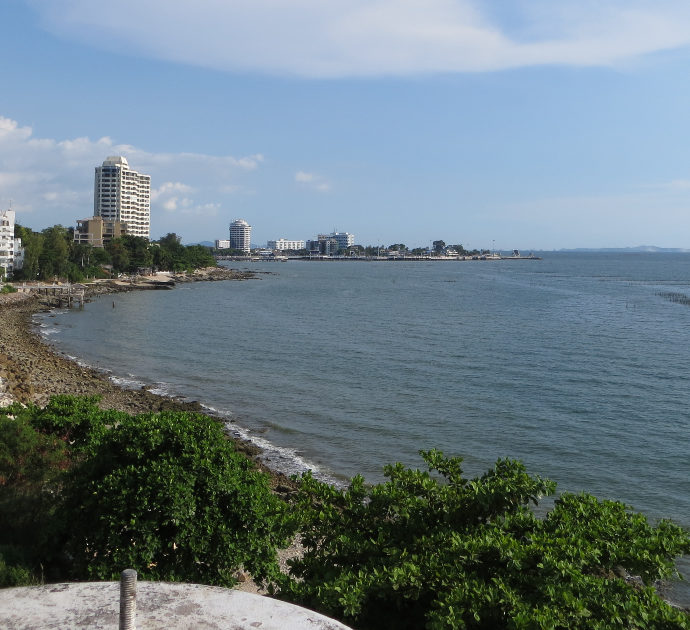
128 599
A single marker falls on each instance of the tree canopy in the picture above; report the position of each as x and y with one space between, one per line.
85 493
53 253
432 549
165 494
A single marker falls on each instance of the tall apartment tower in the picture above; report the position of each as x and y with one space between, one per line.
240 235
7 243
121 194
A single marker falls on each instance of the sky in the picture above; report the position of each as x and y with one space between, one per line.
526 124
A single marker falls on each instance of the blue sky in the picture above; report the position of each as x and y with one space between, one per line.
527 124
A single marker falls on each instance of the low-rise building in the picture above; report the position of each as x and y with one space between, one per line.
98 231
283 244
223 243
323 246
329 244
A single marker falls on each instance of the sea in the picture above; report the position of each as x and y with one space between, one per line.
577 364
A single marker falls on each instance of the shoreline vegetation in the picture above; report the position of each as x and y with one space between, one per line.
31 371
424 549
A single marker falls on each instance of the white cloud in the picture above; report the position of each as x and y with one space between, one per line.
374 37
170 204
312 180
50 181
166 190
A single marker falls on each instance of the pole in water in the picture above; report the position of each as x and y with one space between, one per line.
128 599
113 304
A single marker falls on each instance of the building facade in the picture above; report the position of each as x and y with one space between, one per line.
324 246
97 231
240 235
222 244
283 244
345 239
7 243
122 194
330 244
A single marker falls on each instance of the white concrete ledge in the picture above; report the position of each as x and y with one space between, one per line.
160 606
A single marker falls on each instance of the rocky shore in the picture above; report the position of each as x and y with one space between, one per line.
31 371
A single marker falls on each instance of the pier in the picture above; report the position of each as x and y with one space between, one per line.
60 295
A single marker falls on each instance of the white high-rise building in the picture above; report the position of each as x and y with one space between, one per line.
121 194
7 243
240 235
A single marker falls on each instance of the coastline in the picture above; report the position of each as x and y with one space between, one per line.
31 370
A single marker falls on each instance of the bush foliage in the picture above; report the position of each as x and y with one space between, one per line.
85 493
436 550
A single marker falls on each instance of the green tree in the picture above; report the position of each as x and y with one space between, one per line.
54 258
198 256
168 495
32 242
85 492
140 255
171 255
438 246
119 255
438 550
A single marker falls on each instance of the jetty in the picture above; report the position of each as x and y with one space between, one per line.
60 295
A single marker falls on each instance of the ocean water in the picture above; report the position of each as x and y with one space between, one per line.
577 364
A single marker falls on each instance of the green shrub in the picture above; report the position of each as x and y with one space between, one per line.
85 493
13 570
441 551
30 467
167 495
7 288
77 420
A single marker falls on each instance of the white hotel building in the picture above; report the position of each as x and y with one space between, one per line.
122 194
10 247
240 235
282 244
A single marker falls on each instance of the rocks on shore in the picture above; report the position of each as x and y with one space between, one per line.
164 280
31 371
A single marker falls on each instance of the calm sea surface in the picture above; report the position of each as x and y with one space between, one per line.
576 364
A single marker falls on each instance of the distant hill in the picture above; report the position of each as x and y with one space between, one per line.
632 250
204 243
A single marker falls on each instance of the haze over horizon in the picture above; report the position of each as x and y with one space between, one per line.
531 126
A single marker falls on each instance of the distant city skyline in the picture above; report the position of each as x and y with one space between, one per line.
510 125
